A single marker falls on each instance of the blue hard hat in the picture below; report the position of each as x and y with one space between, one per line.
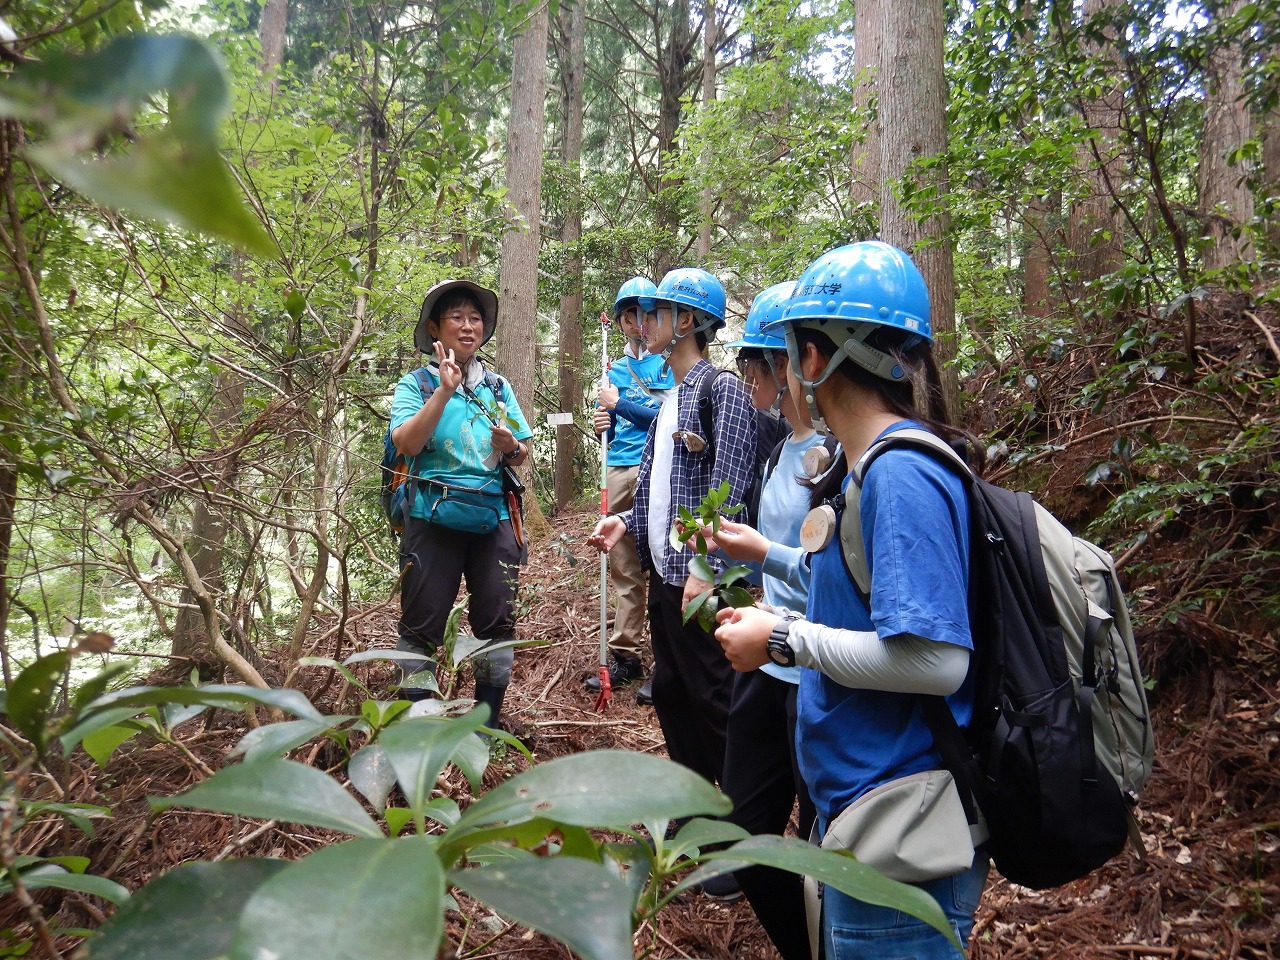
638 291
696 289
766 308
870 281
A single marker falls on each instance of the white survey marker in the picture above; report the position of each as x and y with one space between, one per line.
559 419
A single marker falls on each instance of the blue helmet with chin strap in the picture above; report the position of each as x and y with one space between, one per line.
765 308
848 294
638 291
696 290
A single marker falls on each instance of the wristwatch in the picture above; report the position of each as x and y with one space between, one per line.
512 454
779 644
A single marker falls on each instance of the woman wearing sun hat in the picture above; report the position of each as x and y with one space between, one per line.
458 424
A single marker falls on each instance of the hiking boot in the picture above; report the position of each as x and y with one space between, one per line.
623 670
723 888
644 696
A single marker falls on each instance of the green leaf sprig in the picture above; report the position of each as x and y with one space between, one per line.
726 591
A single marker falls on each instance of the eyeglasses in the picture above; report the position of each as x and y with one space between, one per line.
753 366
463 319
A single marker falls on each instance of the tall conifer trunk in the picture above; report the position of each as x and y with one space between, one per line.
571 326
1225 199
912 94
518 276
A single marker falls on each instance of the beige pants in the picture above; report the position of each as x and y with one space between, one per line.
629 583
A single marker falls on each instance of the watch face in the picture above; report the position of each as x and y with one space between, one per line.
778 655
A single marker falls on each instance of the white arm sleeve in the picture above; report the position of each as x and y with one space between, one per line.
860 659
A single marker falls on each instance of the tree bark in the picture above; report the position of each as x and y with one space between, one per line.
707 198
1270 124
1095 224
14 344
1225 199
272 30
864 165
1038 214
674 77
912 95
518 272
571 325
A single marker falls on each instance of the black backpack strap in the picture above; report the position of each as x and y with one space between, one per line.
950 741
706 410
956 755
423 376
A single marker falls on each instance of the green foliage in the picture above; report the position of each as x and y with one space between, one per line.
174 173
530 847
725 590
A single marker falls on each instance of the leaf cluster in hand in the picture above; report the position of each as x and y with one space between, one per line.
726 591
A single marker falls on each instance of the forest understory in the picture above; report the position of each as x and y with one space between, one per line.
1202 582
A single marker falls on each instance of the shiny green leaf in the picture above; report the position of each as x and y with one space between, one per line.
372 899
580 903
277 739
102 744
31 695
197 906
52 876
227 696
419 747
273 789
600 788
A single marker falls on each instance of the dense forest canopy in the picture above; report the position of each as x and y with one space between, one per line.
219 219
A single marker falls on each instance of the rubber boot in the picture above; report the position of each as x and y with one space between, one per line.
622 669
493 696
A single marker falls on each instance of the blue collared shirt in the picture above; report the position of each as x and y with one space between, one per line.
693 474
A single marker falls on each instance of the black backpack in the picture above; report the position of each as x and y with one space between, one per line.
771 430
1060 742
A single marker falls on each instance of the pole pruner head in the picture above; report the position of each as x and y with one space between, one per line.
606 689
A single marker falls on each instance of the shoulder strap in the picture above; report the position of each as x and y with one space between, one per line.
626 362
706 408
851 547
423 376
947 736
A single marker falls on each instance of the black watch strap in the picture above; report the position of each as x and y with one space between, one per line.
779 644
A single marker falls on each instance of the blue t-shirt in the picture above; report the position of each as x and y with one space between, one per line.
639 399
784 501
915 527
457 451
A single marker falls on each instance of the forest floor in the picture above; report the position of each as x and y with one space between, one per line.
1209 883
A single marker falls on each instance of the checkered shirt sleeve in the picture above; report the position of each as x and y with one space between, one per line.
693 474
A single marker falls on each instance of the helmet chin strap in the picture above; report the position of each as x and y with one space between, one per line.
877 362
807 386
779 382
676 337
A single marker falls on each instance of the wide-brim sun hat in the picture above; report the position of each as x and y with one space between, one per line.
487 299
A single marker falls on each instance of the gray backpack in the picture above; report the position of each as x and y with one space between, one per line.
1060 744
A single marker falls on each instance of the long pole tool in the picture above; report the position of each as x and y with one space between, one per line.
606 688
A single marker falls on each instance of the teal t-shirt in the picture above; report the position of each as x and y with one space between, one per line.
457 451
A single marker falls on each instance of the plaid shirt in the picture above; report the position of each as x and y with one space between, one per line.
693 474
